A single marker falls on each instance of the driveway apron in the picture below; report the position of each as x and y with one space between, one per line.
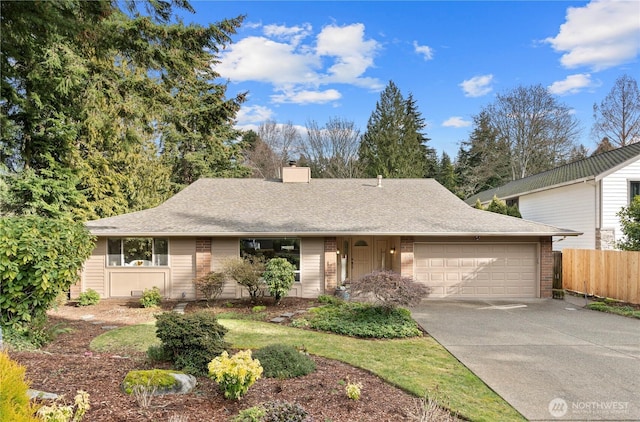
550 359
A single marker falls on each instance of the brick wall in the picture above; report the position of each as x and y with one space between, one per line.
546 266
330 264
406 256
203 259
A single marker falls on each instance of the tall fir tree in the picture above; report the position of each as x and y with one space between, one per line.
393 145
483 161
96 88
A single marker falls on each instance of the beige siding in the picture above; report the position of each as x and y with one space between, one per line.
223 249
311 268
93 274
570 207
182 260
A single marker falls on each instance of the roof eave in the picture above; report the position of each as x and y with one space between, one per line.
328 234
557 185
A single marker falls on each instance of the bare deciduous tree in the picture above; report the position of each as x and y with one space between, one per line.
540 131
617 118
332 150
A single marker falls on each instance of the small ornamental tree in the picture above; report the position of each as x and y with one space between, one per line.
41 257
248 273
630 222
279 275
211 285
390 289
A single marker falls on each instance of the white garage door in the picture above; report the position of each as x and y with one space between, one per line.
477 270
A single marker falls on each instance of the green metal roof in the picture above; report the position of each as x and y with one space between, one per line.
593 167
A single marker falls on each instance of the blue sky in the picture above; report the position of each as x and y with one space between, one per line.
304 61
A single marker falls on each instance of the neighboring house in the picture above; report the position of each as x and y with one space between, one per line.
332 230
584 196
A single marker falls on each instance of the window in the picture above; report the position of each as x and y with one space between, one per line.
273 248
137 251
634 189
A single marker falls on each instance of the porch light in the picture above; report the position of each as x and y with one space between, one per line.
393 250
338 252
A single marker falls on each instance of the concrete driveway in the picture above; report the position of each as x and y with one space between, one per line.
550 359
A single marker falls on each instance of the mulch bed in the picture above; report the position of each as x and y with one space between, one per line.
67 365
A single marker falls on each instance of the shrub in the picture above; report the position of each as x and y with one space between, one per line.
235 374
57 412
158 354
330 300
282 361
88 298
14 402
276 411
41 257
251 414
259 308
191 340
210 285
151 298
364 320
279 274
247 272
33 335
390 289
353 390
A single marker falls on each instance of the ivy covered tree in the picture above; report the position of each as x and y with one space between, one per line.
393 145
630 222
116 93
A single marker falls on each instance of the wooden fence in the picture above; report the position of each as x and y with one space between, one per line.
614 274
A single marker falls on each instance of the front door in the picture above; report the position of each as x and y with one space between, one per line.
361 254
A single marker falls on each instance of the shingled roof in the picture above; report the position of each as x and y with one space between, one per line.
322 207
595 167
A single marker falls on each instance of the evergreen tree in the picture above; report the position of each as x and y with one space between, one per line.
393 144
483 160
446 173
98 90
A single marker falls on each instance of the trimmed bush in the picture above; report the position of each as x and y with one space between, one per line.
88 298
247 272
14 402
364 320
151 298
191 340
279 275
282 361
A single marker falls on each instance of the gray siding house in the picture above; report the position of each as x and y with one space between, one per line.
332 230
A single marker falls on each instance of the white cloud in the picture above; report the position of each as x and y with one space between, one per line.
572 84
296 67
456 121
353 54
424 50
264 60
477 86
253 114
293 34
600 35
307 97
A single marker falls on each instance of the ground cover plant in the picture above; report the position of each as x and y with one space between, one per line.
364 320
283 361
615 307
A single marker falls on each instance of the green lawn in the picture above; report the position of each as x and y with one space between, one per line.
416 365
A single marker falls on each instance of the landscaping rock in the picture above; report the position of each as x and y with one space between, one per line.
35 394
156 378
287 314
278 320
